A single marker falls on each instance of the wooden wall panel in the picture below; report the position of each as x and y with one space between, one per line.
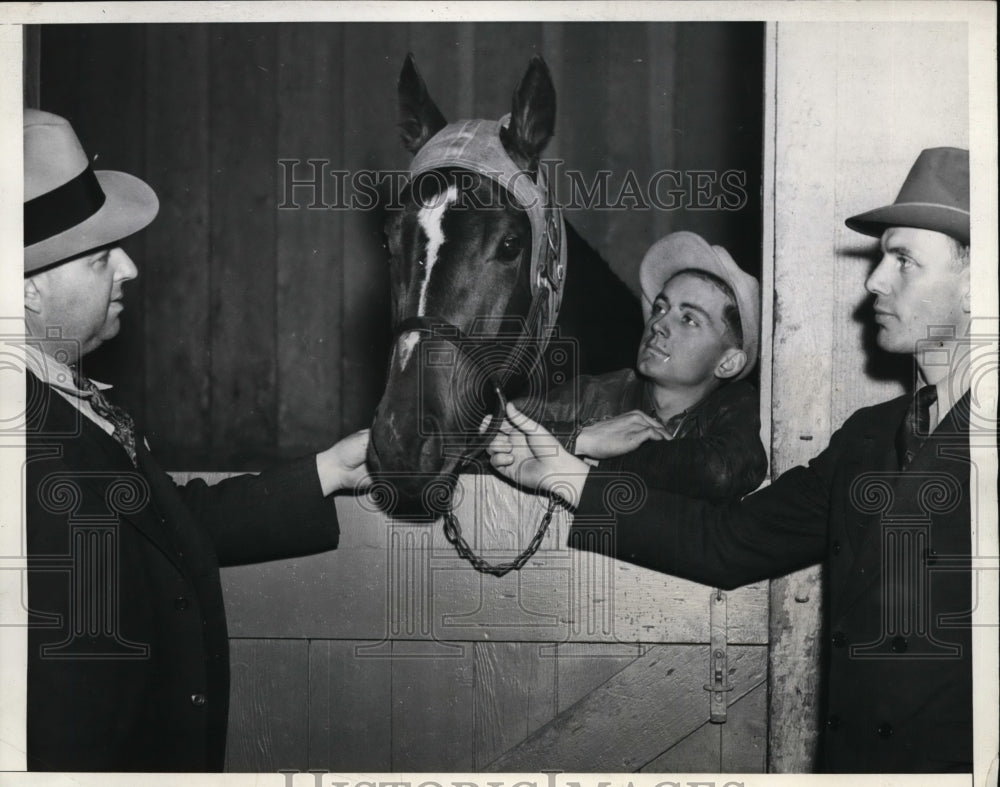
368 588
242 186
268 718
310 251
514 695
432 708
100 87
646 708
371 142
254 333
350 708
176 264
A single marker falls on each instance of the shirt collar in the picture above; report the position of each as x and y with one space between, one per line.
54 372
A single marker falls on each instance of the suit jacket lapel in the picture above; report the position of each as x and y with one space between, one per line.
86 445
951 432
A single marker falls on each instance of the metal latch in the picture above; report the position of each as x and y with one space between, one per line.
718 660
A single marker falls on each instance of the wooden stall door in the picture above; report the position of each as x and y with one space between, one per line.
392 654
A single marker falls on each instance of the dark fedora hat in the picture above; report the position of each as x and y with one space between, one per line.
935 196
69 209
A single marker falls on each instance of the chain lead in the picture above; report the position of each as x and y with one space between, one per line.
453 532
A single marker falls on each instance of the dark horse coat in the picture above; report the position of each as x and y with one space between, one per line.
898 666
148 688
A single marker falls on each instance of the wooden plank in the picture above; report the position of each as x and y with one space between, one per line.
560 596
99 86
177 379
744 735
584 667
268 723
502 53
698 752
243 62
350 708
634 716
802 351
737 746
432 708
514 695
310 262
372 57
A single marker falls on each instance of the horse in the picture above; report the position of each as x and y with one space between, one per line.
480 264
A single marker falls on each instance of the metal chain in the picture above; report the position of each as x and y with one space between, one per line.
453 532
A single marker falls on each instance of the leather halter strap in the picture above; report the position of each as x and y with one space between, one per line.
526 352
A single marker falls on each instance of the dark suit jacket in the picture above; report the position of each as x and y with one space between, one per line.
898 669
128 665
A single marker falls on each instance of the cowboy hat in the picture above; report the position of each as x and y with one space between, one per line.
935 196
70 209
683 250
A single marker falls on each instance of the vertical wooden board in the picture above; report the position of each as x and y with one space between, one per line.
95 79
502 53
432 708
661 52
268 720
581 123
582 668
698 752
625 107
717 136
805 133
176 268
371 142
350 708
744 735
444 58
243 61
515 694
310 261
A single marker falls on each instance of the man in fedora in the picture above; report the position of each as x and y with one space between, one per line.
886 506
128 652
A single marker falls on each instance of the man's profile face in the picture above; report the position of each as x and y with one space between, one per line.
82 297
685 335
918 284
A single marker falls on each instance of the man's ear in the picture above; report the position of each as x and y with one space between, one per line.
32 296
731 364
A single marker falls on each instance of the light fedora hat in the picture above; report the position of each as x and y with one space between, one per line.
70 209
681 250
934 196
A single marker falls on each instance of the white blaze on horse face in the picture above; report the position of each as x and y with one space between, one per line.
406 344
431 216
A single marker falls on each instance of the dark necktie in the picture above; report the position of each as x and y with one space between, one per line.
124 432
916 425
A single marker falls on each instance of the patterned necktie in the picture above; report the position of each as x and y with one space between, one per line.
916 425
124 433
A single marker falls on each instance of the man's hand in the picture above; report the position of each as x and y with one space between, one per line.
618 435
527 454
342 466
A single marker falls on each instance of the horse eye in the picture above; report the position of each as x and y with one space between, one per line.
510 247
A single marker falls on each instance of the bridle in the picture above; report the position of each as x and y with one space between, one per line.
476 145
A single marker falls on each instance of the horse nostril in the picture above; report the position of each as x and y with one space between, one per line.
430 426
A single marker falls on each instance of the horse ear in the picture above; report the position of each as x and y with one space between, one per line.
419 117
532 116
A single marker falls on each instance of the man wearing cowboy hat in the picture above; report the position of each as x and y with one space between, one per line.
128 652
683 419
886 506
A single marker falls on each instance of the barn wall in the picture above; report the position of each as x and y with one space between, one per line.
256 332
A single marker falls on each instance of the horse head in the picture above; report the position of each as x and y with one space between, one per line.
476 267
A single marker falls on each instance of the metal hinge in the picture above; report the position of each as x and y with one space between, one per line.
718 661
